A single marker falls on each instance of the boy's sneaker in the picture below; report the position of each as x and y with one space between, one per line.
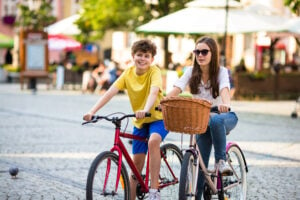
224 169
154 194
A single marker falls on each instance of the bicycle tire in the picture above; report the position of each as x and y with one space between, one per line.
96 178
174 159
236 160
187 180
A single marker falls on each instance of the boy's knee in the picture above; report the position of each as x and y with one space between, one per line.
154 140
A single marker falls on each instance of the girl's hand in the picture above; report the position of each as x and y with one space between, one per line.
87 117
140 114
223 108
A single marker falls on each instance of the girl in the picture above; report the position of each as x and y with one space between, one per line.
207 80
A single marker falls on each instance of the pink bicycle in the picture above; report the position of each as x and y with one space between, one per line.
191 116
108 177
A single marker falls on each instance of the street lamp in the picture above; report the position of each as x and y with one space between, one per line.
223 52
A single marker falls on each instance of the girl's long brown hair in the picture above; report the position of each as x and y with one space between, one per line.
195 79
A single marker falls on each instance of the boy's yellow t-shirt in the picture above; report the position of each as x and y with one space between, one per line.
138 89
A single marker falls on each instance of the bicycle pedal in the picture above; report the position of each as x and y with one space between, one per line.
228 173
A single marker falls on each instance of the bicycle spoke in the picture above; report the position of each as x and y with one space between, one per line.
235 186
170 171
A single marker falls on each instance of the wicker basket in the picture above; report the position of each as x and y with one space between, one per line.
185 115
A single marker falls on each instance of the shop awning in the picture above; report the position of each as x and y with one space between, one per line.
62 42
6 41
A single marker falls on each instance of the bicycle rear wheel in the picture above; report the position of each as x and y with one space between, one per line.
236 161
168 182
101 181
187 177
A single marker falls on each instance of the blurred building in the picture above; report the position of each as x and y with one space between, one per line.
253 48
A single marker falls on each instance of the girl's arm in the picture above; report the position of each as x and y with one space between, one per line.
225 95
174 92
112 91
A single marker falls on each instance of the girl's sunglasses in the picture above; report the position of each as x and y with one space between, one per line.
203 52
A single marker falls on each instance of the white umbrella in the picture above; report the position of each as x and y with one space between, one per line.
214 4
211 20
292 25
65 26
290 28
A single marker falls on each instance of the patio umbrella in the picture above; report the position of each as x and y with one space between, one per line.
292 26
6 41
62 42
202 19
65 26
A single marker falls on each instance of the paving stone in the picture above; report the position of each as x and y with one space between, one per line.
43 136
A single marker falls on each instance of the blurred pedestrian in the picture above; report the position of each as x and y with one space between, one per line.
99 79
8 56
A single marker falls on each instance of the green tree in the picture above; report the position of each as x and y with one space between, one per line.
35 19
98 16
294 5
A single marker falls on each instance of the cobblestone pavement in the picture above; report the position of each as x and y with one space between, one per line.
42 135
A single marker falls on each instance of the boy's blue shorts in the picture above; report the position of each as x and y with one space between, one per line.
146 131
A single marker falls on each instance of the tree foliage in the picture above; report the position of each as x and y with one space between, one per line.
35 19
98 16
294 5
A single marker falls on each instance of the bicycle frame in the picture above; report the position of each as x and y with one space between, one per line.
121 149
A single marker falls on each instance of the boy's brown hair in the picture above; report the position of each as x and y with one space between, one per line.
144 46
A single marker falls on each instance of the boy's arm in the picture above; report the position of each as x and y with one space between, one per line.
150 101
112 91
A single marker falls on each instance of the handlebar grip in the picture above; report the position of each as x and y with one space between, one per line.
157 108
148 115
93 120
215 109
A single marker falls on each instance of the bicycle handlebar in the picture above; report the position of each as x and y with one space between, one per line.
96 118
213 109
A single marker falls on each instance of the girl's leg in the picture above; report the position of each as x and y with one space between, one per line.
220 125
204 143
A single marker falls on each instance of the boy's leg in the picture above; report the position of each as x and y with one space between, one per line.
157 134
138 160
154 162
139 150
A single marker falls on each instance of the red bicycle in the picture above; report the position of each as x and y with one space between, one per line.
108 177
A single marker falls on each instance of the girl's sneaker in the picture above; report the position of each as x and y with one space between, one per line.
224 169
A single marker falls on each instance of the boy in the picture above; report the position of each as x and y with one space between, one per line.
143 83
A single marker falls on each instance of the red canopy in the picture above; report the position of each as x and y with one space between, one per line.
62 42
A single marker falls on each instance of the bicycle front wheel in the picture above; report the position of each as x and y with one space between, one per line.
188 180
101 181
171 160
239 178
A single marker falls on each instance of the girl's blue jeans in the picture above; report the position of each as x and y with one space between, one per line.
219 126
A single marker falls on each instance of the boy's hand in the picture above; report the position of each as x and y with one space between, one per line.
140 114
87 117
